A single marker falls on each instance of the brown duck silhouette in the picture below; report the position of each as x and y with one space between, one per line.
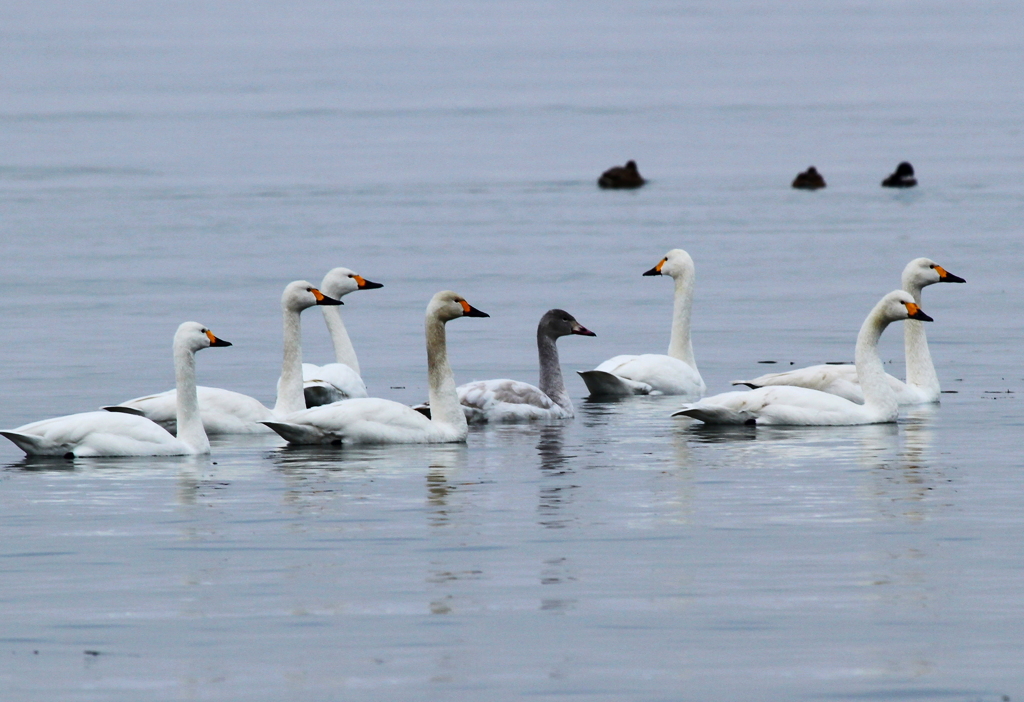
902 177
621 177
809 180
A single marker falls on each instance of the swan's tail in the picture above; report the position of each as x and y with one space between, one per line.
715 414
35 445
124 409
300 433
605 384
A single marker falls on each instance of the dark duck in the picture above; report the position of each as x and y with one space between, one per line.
809 180
902 177
621 177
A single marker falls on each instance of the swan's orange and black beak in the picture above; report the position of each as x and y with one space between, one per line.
469 311
578 328
657 269
365 284
947 277
214 341
917 313
322 299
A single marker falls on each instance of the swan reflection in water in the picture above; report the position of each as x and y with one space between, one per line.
554 494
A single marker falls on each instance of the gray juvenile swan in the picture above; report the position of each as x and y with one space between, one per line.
506 400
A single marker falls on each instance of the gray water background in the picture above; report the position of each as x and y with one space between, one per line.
170 161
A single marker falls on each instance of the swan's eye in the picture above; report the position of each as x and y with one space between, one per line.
352 276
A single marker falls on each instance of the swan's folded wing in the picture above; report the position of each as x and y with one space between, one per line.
663 374
95 434
838 380
365 421
223 411
783 405
484 393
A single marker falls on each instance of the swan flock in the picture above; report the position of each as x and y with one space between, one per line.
330 404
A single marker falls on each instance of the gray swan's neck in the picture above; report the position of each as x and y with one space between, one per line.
190 423
289 391
343 350
551 382
444 400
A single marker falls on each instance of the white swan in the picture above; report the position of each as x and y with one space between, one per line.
118 434
514 401
371 420
922 384
657 374
341 380
787 404
229 412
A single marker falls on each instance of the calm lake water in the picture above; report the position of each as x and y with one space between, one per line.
160 163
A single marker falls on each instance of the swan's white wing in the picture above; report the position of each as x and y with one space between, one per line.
97 434
664 374
505 400
329 383
367 420
781 405
223 411
839 380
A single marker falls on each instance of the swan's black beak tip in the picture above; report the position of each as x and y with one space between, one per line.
220 342
653 271
950 278
324 300
370 285
920 316
582 331
474 312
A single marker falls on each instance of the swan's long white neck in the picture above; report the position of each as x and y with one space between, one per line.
920 369
343 351
679 345
289 390
551 382
444 400
878 394
190 422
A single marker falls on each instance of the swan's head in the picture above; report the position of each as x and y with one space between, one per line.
299 294
447 305
194 336
904 170
556 323
924 271
341 281
898 306
677 263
